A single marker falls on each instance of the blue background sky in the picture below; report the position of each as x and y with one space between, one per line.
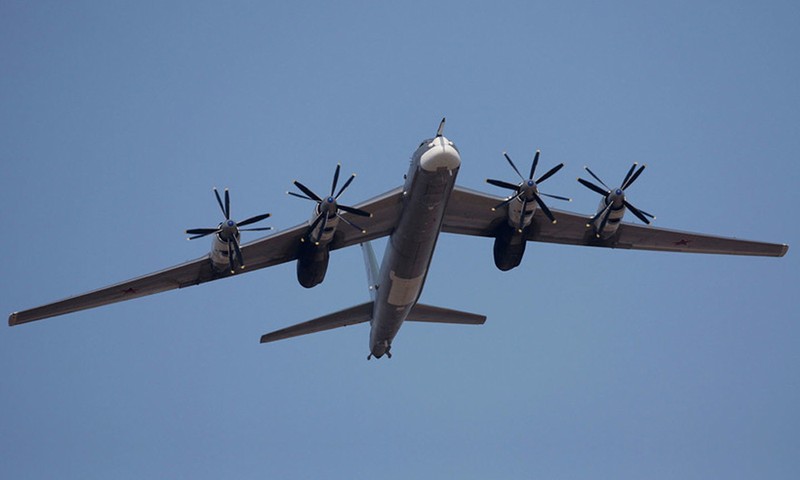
118 118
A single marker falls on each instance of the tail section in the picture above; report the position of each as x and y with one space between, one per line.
430 314
349 316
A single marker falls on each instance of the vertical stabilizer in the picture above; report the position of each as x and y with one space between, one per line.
371 263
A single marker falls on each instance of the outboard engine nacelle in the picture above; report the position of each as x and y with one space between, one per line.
225 250
613 205
509 242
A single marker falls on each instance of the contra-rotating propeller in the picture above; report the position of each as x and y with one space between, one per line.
615 198
329 207
228 231
528 190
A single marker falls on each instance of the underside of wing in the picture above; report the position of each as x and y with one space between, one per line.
273 250
471 213
571 229
269 251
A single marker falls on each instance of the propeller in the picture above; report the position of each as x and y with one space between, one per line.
527 190
615 198
329 207
228 231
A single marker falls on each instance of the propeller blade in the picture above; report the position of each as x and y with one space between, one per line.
504 202
307 191
316 222
219 201
335 178
606 213
260 229
440 130
346 184
322 227
593 187
647 214
351 223
521 225
634 177
627 176
598 179
556 197
238 252
227 205
200 236
255 219
513 166
636 212
550 173
201 231
230 258
502 184
354 211
534 164
544 208
301 196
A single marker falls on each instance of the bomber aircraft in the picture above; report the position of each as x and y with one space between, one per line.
412 216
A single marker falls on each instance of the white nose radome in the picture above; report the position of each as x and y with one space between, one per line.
441 154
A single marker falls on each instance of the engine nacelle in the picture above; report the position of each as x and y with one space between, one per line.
219 252
515 213
314 251
321 232
312 263
509 247
612 224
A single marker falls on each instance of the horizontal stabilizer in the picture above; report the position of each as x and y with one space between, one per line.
350 316
427 313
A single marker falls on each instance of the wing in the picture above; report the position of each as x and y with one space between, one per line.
272 250
470 213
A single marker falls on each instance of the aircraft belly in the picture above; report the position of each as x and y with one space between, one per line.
409 252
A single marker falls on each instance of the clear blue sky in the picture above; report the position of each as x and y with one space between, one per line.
118 118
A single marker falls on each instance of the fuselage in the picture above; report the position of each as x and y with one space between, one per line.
429 182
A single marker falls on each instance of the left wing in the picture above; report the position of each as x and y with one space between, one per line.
470 213
275 249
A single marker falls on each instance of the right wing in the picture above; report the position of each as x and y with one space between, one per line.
275 249
470 213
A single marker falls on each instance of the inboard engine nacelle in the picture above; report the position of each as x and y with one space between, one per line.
509 243
313 254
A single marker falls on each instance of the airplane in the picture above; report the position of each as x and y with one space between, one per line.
412 216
